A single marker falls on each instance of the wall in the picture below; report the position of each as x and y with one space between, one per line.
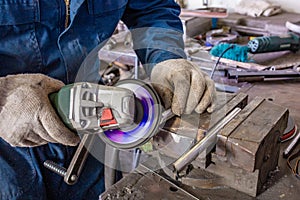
288 5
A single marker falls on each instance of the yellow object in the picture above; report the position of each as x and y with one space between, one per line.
67 2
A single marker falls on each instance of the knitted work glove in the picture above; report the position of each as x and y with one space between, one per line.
183 87
27 117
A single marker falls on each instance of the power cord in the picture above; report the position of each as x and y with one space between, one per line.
218 61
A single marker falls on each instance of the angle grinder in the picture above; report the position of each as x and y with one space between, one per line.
265 44
125 116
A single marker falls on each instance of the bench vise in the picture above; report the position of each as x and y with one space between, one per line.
238 145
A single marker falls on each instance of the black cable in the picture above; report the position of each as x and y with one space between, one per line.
218 61
295 169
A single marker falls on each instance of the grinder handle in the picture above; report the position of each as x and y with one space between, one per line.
61 103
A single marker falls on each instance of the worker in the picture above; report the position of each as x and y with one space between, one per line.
42 46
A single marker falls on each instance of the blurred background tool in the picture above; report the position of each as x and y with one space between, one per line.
263 44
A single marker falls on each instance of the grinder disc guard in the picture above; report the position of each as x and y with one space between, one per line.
148 112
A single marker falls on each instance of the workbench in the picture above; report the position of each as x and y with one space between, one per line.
144 184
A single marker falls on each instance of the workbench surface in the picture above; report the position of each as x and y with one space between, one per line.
143 184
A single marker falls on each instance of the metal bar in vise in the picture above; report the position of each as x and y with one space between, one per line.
205 143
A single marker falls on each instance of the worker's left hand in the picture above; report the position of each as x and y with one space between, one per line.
183 87
27 116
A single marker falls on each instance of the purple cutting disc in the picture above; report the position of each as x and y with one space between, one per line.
137 134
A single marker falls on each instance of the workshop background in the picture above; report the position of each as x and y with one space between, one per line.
287 5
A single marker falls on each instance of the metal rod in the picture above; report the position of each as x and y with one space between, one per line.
166 115
141 170
291 146
49 164
226 88
136 157
205 143
111 163
136 68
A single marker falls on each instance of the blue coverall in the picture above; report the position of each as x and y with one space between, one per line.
35 39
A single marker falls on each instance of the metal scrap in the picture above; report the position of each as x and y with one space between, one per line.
249 76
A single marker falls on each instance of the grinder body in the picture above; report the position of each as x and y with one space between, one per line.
124 116
88 106
265 44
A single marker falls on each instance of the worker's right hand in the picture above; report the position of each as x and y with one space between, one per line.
27 117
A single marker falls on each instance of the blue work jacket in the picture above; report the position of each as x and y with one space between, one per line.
35 39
